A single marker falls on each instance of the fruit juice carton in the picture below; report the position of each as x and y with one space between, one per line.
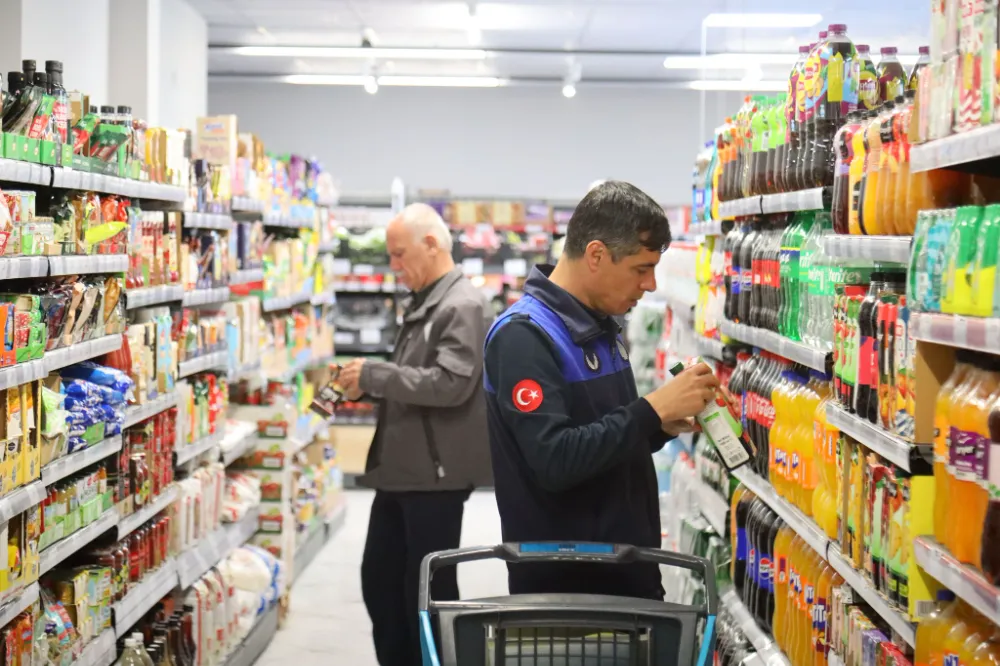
871 639
852 501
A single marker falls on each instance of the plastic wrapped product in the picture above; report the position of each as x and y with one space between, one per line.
100 374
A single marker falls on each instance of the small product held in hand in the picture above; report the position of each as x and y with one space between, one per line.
329 396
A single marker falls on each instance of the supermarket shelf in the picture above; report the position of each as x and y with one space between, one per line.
237 442
60 468
956 330
17 501
210 296
143 596
326 298
139 413
328 248
22 373
247 276
713 506
194 562
245 372
336 519
980 144
885 444
81 351
711 228
301 439
147 296
15 171
308 549
777 344
276 303
95 182
967 583
18 604
366 287
894 249
798 521
283 222
710 348
184 454
766 648
100 651
14 268
789 202
64 548
88 263
216 221
247 205
247 652
879 604
128 524
739 207
212 361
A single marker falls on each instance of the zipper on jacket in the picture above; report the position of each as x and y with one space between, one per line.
432 446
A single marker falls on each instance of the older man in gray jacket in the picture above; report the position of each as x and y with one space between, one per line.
431 445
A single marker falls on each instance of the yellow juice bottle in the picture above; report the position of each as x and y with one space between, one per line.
987 653
965 625
789 628
810 474
821 613
811 578
776 466
942 408
856 175
870 224
888 173
782 546
932 629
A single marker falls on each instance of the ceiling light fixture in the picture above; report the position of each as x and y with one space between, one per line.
415 81
357 52
475 33
569 91
371 85
739 85
573 74
737 20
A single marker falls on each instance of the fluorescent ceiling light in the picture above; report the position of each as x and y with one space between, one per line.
371 85
740 85
728 20
358 52
416 81
569 91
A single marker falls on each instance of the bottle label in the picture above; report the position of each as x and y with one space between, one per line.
741 544
764 573
866 358
993 472
819 624
782 570
968 454
724 433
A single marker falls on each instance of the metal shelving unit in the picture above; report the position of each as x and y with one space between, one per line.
777 344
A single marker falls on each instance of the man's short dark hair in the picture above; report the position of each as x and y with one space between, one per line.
621 216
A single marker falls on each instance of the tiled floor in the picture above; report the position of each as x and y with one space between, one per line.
328 624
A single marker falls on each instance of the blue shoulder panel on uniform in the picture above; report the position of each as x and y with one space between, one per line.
578 364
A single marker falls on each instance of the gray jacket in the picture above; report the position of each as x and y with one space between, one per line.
431 432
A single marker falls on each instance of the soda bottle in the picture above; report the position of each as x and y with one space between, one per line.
868 97
741 515
758 138
750 582
747 250
793 138
842 145
723 432
866 350
986 653
767 531
809 474
810 83
838 96
891 75
966 624
904 222
923 60
782 543
856 172
815 314
932 627
889 170
894 283
776 156
959 257
870 224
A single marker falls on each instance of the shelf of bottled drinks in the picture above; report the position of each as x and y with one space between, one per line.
863 227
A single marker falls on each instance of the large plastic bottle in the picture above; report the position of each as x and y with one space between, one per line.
856 172
782 544
891 75
889 170
923 60
810 83
838 96
870 224
989 553
792 127
942 441
931 629
905 219
868 99
843 149
984 274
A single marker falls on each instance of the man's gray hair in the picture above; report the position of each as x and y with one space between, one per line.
423 221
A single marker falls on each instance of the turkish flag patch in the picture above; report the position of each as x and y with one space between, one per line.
527 395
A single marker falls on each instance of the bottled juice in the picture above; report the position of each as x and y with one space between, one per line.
821 613
888 169
870 224
782 545
990 549
984 273
856 172
891 75
904 225
825 452
809 475
867 80
813 567
793 127
932 628
736 571
966 625
942 441
923 60
987 653
843 145
959 258
789 627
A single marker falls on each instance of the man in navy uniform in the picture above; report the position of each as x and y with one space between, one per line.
570 438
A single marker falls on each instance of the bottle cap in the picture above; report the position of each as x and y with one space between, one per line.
107 109
837 28
53 66
900 99
924 50
28 65
137 636
15 78
888 50
93 109
41 79
676 368
805 48
862 48
823 34
945 595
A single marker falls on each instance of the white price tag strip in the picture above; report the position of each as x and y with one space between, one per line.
364 269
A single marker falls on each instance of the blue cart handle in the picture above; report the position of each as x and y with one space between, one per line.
567 552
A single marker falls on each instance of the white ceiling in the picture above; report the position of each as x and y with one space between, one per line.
560 29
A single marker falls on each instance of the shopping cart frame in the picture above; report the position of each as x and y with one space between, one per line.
557 552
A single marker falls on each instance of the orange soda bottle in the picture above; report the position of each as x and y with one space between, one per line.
942 408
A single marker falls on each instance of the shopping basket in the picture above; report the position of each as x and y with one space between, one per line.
566 629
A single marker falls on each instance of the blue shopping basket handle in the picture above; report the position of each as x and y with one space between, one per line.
567 552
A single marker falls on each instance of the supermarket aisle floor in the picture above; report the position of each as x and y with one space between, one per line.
328 623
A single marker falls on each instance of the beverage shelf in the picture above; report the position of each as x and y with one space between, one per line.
209 296
710 228
194 562
894 249
280 221
766 648
247 205
967 583
713 506
740 207
185 454
248 276
216 221
85 264
147 296
139 413
14 268
815 198
798 521
100 651
17 501
710 348
22 373
864 588
241 437
957 331
67 546
256 641
212 361
982 143
143 596
19 603
884 443
777 344
81 351
128 524
60 468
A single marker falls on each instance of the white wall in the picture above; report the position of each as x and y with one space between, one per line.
183 65
517 141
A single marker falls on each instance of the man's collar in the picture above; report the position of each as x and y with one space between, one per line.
437 292
583 323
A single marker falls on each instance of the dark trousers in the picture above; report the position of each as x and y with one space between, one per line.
402 529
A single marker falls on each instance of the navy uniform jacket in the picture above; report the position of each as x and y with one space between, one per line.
571 441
